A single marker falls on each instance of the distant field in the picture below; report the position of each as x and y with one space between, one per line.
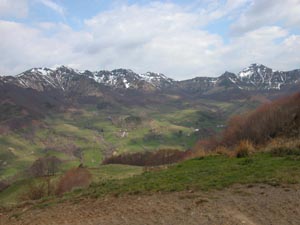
88 135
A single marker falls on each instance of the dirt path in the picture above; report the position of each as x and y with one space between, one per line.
249 205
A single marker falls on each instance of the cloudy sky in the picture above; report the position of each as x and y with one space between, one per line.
181 39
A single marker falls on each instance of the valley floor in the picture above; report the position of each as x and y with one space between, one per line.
255 204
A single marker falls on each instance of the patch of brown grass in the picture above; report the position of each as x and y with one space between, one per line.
74 178
244 149
196 153
283 146
155 158
225 151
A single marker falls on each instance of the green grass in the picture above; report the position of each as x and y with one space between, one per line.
108 172
92 157
207 173
90 131
12 195
213 172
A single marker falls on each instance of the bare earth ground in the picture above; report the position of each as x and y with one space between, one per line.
249 205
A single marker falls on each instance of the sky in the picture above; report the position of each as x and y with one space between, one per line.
181 39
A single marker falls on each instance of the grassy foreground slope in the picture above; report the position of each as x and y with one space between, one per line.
204 173
211 172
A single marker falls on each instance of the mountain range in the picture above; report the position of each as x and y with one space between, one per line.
256 77
41 91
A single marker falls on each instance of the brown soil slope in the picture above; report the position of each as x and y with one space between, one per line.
250 205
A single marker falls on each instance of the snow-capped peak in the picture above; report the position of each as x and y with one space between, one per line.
37 71
251 70
155 77
262 77
126 78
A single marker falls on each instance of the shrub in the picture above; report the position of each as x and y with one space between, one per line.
285 151
160 157
281 118
74 178
222 150
242 153
196 153
244 149
45 166
207 144
3 185
39 189
284 147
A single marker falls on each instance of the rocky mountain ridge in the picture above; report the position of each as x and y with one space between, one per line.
62 78
256 77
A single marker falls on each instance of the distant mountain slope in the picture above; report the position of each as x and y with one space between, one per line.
41 90
256 77
260 77
65 78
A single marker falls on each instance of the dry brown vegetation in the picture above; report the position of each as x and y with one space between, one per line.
283 147
156 158
46 166
47 186
243 149
268 125
280 118
74 178
3 185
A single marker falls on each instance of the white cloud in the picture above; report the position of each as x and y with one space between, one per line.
9 8
53 5
265 45
265 12
159 37
22 47
226 8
